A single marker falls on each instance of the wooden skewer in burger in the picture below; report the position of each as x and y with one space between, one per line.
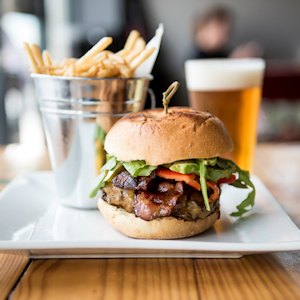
163 172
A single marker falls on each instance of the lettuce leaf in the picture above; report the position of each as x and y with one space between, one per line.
99 134
113 172
190 166
113 167
208 161
208 169
138 168
98 183
111 162
185 167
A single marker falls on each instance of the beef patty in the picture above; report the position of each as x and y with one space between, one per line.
151 197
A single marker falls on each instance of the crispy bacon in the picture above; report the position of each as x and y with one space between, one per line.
153 197
149 206
125 181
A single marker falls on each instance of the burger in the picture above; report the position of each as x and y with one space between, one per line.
163 174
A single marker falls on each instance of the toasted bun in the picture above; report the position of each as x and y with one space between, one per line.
161 228
158 139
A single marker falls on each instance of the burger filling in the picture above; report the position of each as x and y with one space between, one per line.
151 197
187 190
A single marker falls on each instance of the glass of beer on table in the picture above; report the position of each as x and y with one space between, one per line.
231 90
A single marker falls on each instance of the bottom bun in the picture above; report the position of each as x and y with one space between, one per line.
158 229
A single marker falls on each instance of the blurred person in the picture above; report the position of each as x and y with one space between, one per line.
212 35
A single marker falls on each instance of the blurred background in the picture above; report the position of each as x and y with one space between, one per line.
193 28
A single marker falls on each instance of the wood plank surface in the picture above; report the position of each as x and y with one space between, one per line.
11 268
278 166
250 277
109 279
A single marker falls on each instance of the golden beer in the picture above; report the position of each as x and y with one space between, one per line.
231 90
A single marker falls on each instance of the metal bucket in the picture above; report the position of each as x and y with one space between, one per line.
73 110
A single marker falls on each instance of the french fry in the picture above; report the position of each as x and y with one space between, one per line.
94 62
122 52
117 58
141 58
138 47
55 64
71 71
101 45
108 64
108 73
37 54
97 62
68 61
133 35
57 72
100 56
92 72
31 59
46 58
101 65
125 71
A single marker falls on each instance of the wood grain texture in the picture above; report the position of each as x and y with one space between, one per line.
251 277
109 279
278 166
11 268
290 261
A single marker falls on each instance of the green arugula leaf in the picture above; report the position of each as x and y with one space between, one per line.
215 173
97 184
242 181
185 167
224 163
99 134
146 171
239 185
111 162
138 168
245 206
202 171
208 161
113 172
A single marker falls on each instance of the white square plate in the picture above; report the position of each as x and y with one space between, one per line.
33 223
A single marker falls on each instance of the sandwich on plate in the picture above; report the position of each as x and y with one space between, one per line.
163 173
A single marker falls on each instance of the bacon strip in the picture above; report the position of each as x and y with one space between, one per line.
149 206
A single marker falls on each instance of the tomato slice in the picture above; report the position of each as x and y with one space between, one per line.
168 174
195 184
187 178
190 180
216 194
231 179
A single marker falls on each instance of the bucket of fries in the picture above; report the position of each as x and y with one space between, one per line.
80 100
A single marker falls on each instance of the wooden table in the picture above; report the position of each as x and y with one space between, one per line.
265 276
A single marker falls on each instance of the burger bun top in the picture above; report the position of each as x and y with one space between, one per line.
159 138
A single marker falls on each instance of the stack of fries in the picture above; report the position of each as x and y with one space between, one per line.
97 62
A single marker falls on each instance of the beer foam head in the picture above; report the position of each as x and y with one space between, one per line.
223 74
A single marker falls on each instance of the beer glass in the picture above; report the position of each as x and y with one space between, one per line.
231 90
